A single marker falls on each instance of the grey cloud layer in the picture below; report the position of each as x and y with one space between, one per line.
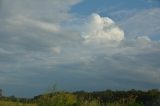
36 49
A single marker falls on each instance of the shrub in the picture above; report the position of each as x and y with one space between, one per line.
58 99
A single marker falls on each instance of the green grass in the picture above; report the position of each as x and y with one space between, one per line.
9 103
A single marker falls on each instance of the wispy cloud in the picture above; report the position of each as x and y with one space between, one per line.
27 21
152 1
143 23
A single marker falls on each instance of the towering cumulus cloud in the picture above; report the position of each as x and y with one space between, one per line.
102 29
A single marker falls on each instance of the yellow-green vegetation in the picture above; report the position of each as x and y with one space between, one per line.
9 103
104 98
63 102
68 99
57 99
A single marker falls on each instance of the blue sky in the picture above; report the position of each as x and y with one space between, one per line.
104 6
79 45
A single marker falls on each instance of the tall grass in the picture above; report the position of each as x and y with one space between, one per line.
69 99
9 103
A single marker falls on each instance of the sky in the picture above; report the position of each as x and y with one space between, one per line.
79 45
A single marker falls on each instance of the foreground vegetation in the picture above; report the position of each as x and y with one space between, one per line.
10 103
81 98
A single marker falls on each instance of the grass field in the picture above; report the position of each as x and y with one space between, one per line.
84 103
9 103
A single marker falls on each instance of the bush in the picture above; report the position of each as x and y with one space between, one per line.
58 99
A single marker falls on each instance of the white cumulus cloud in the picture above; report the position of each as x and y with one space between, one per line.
101 29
